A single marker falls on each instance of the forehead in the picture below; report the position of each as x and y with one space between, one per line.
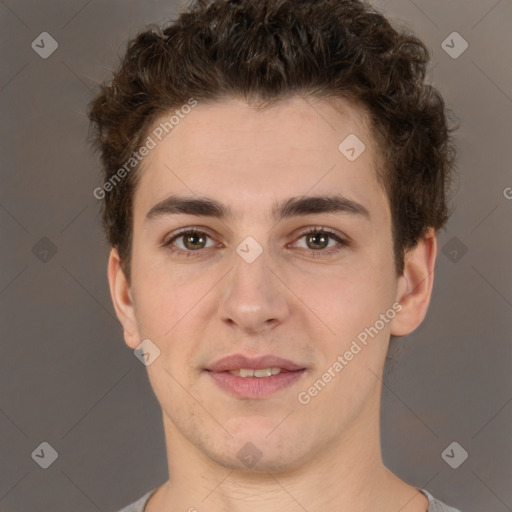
247 156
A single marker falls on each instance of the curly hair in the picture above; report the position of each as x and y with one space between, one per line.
267 50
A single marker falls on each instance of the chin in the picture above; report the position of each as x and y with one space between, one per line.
250 459
259 450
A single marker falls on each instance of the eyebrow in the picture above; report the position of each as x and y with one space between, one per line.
292 207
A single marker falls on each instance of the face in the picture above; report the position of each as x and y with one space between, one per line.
256 271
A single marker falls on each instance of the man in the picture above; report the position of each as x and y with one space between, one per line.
275 172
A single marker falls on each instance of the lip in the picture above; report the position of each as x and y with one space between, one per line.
238 361
254 387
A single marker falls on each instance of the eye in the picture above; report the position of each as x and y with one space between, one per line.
318 240
188 241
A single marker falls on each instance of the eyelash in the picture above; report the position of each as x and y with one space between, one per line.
313 230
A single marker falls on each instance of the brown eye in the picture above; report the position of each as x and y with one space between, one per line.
188 241
194 241
317 240
320 241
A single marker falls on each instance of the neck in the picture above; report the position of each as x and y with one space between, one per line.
347 474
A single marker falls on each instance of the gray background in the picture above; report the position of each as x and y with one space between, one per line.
66 377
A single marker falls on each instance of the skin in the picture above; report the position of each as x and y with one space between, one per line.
289 302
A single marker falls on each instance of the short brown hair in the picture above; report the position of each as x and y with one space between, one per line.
266 50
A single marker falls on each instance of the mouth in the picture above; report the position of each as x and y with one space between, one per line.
254 378
264 372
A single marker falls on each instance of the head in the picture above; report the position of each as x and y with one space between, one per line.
249 104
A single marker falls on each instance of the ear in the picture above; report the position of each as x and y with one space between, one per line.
415 285
122 299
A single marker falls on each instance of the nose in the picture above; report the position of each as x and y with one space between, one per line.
253 299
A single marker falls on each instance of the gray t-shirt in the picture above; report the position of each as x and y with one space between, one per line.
433 504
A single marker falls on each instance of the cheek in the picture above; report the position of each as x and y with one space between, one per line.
346 303
173 309
348 294
163 293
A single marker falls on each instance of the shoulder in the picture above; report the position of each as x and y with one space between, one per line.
138 506
434 505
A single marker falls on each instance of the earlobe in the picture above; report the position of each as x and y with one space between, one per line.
414 287
122 299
